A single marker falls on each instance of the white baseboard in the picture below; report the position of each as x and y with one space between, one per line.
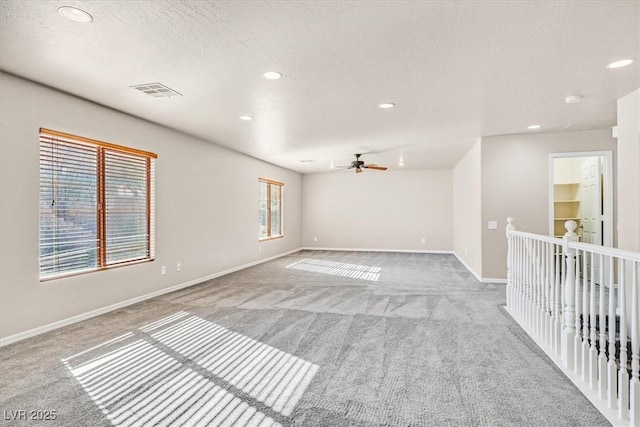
476 275
471 270
492 280
309 248
88 315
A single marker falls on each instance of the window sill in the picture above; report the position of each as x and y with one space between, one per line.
94 270
264 239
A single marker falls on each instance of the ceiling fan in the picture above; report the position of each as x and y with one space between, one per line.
358 165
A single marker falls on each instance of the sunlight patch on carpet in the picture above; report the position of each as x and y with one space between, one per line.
185 370
343 269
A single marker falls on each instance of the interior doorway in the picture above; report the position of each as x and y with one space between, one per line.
581 189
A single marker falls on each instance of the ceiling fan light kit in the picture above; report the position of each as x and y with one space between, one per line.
358 165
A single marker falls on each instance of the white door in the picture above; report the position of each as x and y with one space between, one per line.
591 208
591 201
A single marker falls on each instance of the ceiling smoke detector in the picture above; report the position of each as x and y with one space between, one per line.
157 90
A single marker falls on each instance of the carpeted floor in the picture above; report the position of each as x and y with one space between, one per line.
311 339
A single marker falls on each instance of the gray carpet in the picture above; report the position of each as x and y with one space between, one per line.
311 339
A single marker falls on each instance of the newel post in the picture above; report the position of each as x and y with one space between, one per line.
569 318
510 259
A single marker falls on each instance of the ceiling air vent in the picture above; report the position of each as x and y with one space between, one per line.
157 90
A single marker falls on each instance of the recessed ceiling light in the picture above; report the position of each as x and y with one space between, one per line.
272 75
401 163
573 99
246 118
386 105
532 127
75 14
621 63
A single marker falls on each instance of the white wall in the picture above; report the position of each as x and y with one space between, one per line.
206 208
628 144
467 209
390 210
515 182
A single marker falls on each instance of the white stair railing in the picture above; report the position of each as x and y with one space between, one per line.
580 303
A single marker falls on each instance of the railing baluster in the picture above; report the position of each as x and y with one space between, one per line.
516 277
530 310
540 290
635 347
585 317
521 279
549 292
569 325
612 387
558 299
602 358
593 352
577 361
529 282
623 374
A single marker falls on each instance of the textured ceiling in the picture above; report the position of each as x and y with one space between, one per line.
455 70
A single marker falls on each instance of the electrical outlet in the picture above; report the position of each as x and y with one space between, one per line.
178 267
259 248
163 270
423 240
315 238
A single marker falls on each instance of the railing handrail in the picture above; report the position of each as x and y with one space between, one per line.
605 250
589 247
542 237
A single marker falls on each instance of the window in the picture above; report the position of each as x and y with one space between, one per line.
270 212
96 204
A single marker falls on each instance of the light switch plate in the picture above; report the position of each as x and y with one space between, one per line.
493 225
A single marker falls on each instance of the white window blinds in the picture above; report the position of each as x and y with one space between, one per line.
96 204
68 207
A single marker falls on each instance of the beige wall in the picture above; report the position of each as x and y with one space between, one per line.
390 210
515 182
467 209
628 143
206 208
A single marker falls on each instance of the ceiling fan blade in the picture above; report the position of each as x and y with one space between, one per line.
375 167
370 164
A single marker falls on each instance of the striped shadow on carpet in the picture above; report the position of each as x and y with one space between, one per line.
184 370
